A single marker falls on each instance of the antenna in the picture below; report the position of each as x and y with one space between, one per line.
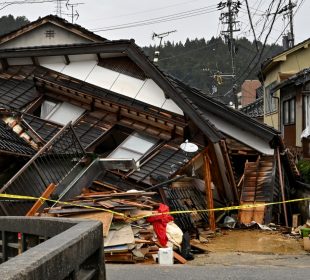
73 14
160 36
59 7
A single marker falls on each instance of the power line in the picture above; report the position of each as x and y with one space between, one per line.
299 6
6 4
150 10
251 23
171 17
264 44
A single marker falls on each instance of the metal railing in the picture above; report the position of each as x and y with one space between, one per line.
57 161
50 249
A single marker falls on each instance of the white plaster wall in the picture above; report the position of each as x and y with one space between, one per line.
37 37
85 69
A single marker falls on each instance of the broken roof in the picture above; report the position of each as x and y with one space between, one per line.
12 143
211 116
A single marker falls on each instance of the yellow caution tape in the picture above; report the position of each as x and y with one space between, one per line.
12 196
238 207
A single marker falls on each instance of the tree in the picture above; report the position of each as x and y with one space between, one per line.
199 63
9 23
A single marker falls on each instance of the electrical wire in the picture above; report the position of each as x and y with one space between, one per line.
6 4
148 10
251 23
264 45
171 17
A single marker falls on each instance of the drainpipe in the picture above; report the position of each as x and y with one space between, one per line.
279 112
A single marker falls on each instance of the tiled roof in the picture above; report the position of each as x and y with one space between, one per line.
45 129
17 89
165 163
254 109
11 143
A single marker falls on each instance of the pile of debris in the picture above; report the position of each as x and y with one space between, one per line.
128 236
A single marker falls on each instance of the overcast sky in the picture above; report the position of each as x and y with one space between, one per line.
192 18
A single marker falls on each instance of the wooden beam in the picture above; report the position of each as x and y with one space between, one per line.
46 194
67 60
209 194
4 64
231 176
282 185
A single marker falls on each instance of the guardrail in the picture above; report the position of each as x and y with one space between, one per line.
51 248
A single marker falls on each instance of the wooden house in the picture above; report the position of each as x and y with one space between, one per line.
122 106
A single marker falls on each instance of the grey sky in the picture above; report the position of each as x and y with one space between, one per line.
104 14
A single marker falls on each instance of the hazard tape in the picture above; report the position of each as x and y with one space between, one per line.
228 208
43 199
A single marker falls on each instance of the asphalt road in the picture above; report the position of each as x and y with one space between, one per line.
187 272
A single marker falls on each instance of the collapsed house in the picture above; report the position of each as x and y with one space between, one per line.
77 107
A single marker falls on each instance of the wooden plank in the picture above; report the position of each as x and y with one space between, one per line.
198 245
210 203
120 257
106 185
104 217
69 211
122 194
179 258
37 205
121 236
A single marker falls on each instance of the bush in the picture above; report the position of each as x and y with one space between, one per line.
304 168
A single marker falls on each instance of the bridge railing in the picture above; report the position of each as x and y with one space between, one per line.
51 248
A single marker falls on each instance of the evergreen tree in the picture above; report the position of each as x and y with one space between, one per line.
9 23
202 64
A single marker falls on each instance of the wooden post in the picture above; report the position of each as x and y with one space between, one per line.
46 194
282 185
209 195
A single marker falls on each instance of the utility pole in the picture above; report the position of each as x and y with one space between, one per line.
229 18
289 38
160 36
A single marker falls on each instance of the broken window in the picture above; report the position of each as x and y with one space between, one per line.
58 112
134 147
46 108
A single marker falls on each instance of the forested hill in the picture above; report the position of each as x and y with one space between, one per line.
199 63
9 23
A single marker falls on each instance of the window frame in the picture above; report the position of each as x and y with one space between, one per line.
141 154
270 103
289 111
